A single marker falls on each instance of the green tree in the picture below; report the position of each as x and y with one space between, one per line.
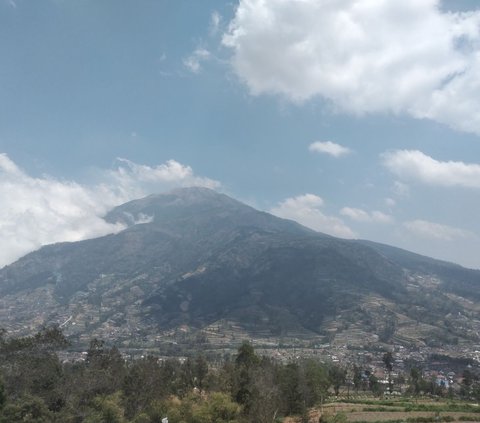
200 371
375 386
106 409
467 383
245 364
27 409
218 408
357 377
246 356
105 369
170 374
317 382
337 377
187 376
388 361
30 366
266 400
3 395
143 384
416 382
291 390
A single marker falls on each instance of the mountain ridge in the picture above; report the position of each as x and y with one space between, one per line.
196 259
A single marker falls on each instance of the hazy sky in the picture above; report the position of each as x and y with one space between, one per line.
358 118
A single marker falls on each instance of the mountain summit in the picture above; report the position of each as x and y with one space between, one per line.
196 260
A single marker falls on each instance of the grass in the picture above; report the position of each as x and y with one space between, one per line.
450 406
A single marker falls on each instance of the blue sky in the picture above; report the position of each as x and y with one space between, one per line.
360 119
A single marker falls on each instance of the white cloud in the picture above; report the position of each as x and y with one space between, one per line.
45 210
431 230
400 189
215 20
130 179
360 215
368 56
195 60
417 166
329 147
390 202
306 209
140 219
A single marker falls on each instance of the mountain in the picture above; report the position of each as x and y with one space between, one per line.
196 262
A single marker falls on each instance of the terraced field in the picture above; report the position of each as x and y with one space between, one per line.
393 411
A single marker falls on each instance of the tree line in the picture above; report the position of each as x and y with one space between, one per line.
35 386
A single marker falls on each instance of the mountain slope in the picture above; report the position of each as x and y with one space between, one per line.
199 260
455 278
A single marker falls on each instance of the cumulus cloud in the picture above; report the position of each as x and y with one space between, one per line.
43 210
306 209
329 147
431 230
417 166
360 215
130 179
368 56
194 62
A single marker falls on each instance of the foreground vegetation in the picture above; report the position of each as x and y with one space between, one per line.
105 388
